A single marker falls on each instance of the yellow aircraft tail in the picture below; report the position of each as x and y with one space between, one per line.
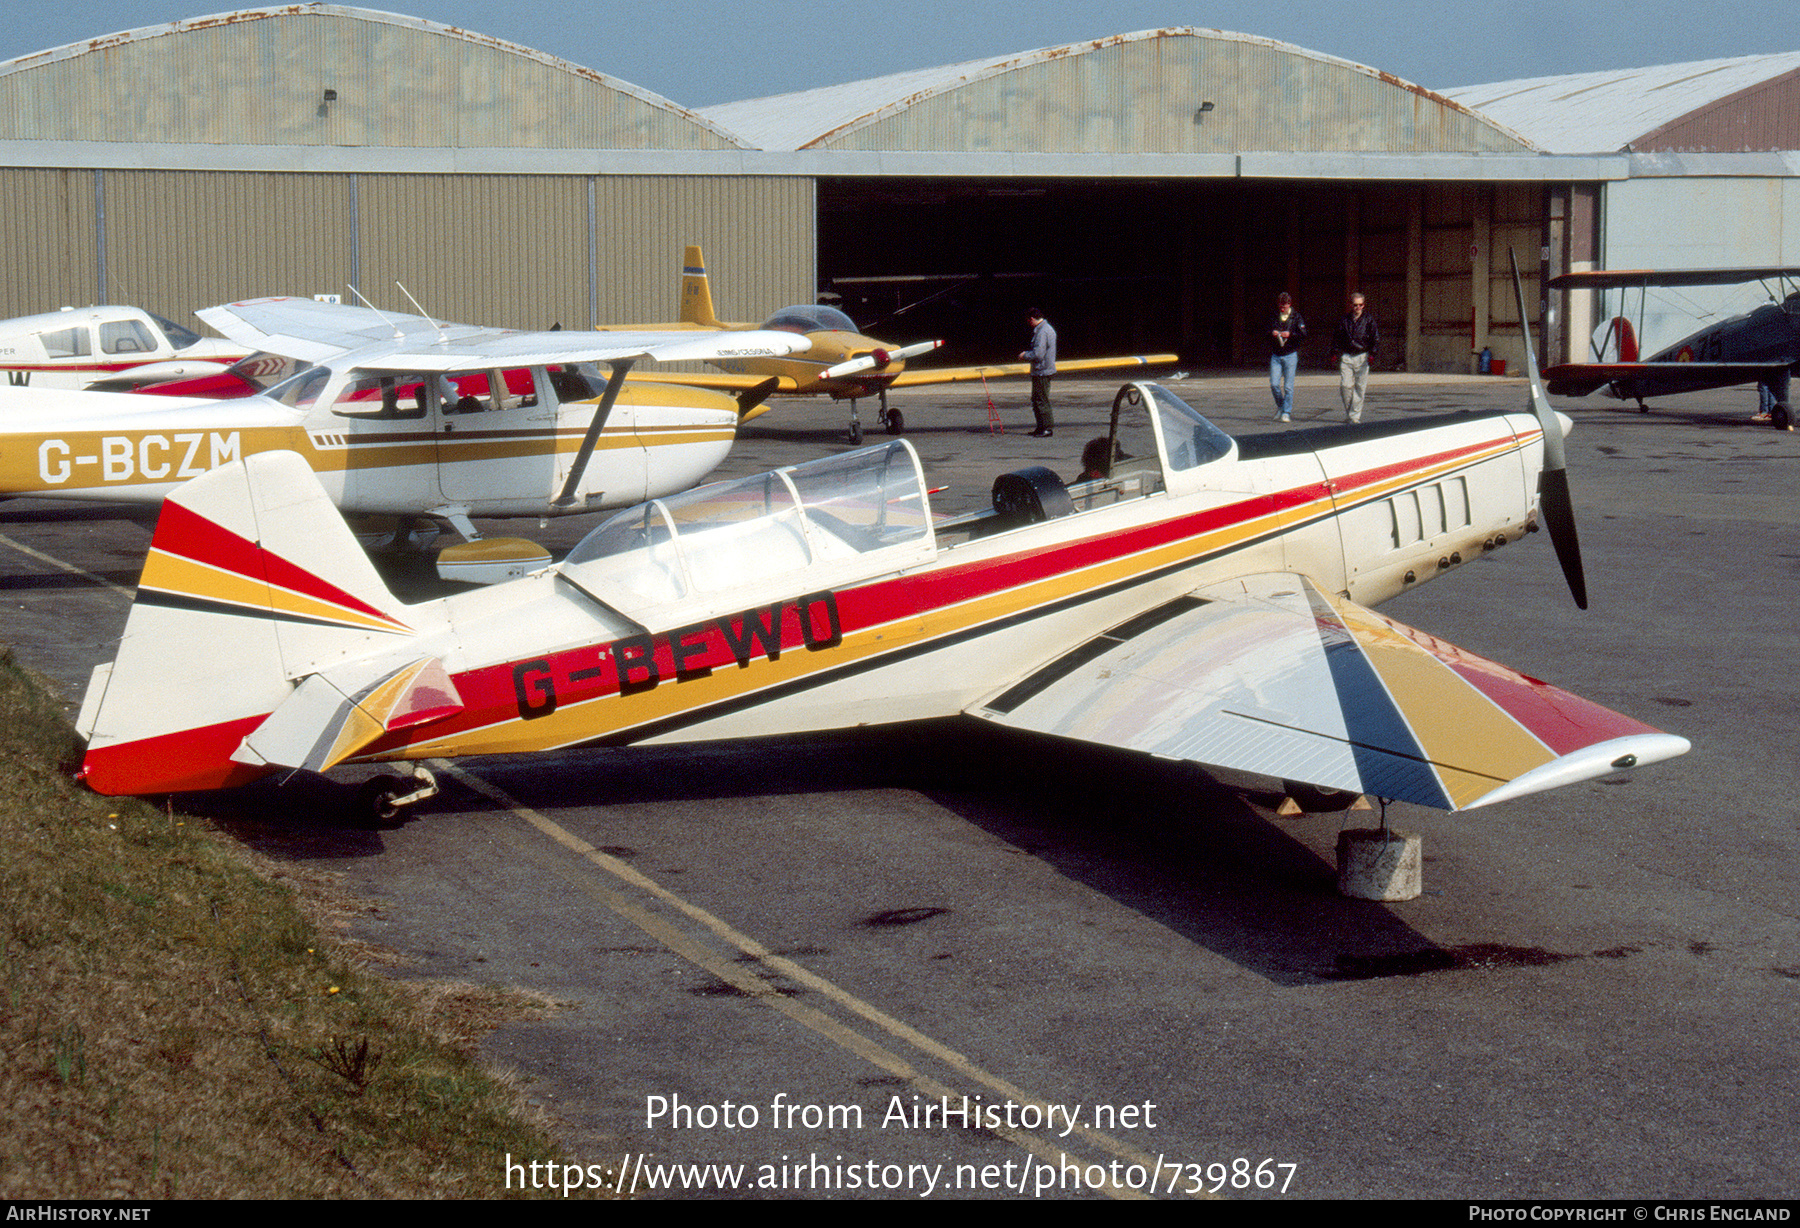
696 295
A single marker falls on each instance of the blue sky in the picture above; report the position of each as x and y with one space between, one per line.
703 52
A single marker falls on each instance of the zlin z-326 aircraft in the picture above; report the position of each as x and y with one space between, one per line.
1205 600
841 363
402 416
1744 349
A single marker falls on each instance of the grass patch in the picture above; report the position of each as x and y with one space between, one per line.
173 1025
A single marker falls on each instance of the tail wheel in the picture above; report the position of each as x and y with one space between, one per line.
378 799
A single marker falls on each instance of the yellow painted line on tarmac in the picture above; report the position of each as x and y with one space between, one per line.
53 561
729 970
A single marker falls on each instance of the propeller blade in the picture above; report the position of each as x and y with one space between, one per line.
880 358
1555 507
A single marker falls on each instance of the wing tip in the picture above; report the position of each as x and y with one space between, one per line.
1600 759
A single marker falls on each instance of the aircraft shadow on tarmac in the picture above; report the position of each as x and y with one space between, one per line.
1163 839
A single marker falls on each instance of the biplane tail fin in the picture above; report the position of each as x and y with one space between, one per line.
253 582
696 294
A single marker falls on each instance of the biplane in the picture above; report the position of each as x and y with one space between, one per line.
403 416
842 363
1760 346
1206 598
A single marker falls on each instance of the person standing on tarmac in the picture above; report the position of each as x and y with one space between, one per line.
1042 356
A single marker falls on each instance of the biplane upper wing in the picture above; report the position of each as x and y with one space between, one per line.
1613 279
1577 379
914 377
1268 674
379 341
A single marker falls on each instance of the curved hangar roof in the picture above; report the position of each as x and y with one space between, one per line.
1181 90
1750 102
326 74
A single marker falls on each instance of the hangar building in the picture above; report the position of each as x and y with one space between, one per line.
1712 175
1152 190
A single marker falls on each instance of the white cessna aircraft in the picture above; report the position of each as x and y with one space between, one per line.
403 416
106 349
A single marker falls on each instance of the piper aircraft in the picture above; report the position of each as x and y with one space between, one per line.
1205 599
842 363
1744 349
404 416
106 349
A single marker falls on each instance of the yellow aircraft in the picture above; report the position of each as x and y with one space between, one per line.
842 362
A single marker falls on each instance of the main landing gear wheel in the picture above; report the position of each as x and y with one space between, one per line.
382 799
1315 799
895 423
855 431
1781 417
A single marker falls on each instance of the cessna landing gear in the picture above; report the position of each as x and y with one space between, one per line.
855 424
381 799
1642 408
1781 416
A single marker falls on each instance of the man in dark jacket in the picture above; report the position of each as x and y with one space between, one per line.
1357 338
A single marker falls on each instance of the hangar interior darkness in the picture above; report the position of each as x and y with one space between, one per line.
1124 266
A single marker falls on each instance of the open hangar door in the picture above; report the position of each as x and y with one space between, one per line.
1126 266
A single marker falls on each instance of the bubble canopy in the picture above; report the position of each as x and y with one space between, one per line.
859 513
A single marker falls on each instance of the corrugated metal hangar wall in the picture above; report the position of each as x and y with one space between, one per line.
515 251
298 150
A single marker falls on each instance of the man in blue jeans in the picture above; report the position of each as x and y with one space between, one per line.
1287 331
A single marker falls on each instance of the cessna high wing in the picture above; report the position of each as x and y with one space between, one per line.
106 349
402 416
1743 349
841 363
1206 600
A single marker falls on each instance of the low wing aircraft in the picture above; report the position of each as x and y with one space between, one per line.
842 363
1207 602
403 416
106 349
1744 349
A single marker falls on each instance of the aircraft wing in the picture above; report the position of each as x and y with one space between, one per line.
914 377
1612 279
1577 379
378 341
1271 675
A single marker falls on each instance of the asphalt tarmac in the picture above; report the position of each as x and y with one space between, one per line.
780 954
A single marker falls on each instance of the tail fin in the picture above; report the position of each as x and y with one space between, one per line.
696 296
253 582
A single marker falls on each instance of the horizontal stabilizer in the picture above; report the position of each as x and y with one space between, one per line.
325 722
1271 675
